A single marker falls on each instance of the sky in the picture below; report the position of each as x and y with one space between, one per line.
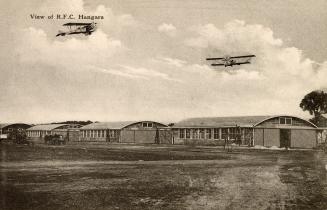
147 59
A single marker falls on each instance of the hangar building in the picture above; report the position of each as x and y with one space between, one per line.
141 132
279 130
38 132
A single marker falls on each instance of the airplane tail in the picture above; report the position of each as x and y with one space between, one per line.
61 33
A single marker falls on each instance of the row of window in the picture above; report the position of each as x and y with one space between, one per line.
285 120
147 125
211 133
99 133
37 133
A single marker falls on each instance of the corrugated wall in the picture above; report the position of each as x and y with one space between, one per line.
303 138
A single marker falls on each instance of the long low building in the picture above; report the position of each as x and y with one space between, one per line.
126 132
38 132
280 131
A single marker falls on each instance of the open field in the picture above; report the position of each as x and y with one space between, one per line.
160 177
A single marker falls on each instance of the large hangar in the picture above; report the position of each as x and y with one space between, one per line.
140 132
279 130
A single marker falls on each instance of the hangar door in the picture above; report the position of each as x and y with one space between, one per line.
138 136
285 138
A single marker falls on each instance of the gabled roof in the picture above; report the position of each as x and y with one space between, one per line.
107 125
45 127
245 121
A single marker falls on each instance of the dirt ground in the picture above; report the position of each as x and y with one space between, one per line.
160 177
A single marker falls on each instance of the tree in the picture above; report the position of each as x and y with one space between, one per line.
316 103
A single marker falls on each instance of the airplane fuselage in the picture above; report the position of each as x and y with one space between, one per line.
86 29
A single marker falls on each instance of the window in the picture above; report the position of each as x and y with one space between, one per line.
216 133
195 133
285 120
181 133
235 133
147 125
188 133
224 133
102 133
201 133
208 133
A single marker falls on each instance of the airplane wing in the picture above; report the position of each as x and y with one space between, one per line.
77 24
208 59
239 63
217 64
244 56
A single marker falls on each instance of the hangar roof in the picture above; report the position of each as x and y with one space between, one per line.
107 125
114 125
45 127
2 125
244 121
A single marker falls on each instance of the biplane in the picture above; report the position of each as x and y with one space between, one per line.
78 28
231 61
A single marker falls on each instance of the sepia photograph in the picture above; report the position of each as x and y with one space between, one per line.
163 104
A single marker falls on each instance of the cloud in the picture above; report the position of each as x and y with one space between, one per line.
168 29
281 71
36 48
120 72
122 68
62 6
171 61
235 35
147 73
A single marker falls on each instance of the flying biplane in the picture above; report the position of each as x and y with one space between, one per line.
231 61
78 28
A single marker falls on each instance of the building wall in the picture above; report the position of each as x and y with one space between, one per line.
258 136
138 136
165 136
322 137
127 136
73 134
271 137
62 132
212 136
108 135
303 138
145 132
145 136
